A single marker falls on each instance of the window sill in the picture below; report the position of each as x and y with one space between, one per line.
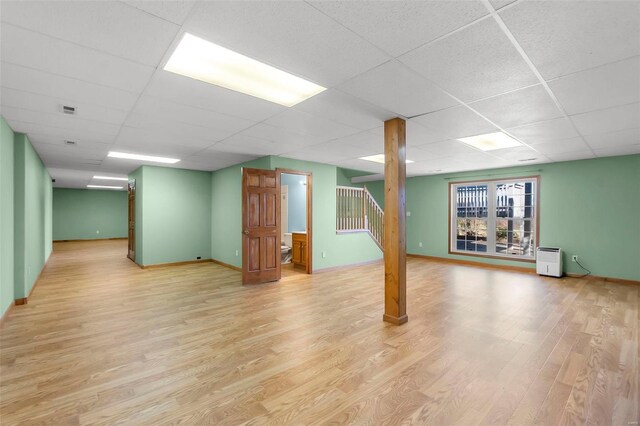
492 256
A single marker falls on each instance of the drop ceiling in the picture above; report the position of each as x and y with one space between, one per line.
563 77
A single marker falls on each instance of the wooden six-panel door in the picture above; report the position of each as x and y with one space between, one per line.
260 226
131 225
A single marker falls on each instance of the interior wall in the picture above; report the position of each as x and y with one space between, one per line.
87 214
297 201
175 218
588 207
6 216
32 205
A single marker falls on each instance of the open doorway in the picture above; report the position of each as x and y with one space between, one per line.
295 222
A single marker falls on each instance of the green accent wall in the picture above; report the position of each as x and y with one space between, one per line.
226 211
86 214
588 207
173 221
339 249
6 216
32 205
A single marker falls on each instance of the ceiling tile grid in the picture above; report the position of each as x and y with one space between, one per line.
562 77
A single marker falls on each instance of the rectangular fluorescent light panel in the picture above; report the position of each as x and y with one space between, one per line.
104 187
202 60
110 178
491 141
379 158
128 156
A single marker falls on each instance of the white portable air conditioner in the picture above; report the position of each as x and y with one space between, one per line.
549 261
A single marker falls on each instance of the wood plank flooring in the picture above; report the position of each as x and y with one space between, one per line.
102 341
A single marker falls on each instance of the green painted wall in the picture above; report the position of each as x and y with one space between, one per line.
85 214
589 208
6 216
227 207
226 211
32 189
174 220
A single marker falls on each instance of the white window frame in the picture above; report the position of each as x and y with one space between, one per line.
492 219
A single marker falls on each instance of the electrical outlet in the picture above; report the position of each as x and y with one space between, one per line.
237 253
324 254
97 231
420 244
574 258
408 213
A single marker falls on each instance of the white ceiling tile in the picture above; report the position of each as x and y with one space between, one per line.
499 4
150 138
400 26
175 11
449 148
545 131
599 88
108 26
292 36
81 145
474 63
571 156
306 124
93 153
48 105
362 165
562 146
614 139
317 154
618 150
420 134
282 137
167 111
74 124
456 122
65 89
516 153
372 140
608 120
197 94
37 132
520 107
243 144
217 159
562 37
397 89
346 109
176 131
32 50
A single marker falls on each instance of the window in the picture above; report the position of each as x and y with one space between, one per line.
495 218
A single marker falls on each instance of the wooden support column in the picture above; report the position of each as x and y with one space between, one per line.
395 250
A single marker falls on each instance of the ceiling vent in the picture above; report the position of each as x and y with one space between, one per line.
72 143
527 159
68 109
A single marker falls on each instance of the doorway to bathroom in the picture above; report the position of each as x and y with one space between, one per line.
295 222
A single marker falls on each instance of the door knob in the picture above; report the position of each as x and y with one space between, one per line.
245 232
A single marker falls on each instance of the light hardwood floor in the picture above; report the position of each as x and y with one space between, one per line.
102 341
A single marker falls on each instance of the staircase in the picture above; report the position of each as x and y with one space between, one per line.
357 211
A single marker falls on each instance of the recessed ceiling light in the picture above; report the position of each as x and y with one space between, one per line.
379 158
110 178
128 156
104 187
202 60
491 141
